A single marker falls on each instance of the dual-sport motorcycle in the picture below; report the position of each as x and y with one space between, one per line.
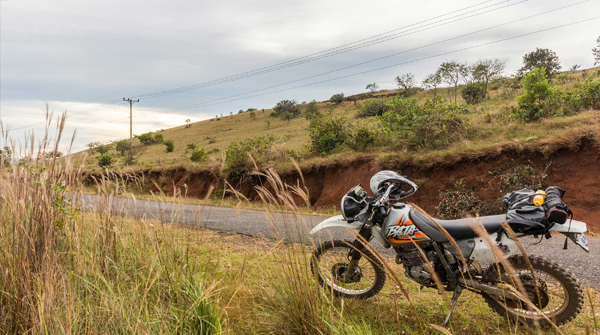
423 246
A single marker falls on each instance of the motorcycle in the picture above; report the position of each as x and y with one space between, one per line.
451 253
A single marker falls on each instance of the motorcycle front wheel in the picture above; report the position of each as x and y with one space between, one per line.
330 261
556 293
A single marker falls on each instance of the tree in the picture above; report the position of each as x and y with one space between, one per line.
170 146
473 93
103 149
540 58
405 81
337 98
240 111
252 115
433 81
122 146
372 87
488 69
312 110
286 109
574 67
453 72
596 52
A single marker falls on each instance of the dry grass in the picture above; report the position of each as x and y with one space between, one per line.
66 271
491 130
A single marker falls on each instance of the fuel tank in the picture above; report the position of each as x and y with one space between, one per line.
399 229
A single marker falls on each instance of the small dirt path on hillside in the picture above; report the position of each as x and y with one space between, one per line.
254 223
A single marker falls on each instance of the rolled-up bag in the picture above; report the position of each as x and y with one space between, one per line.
556 210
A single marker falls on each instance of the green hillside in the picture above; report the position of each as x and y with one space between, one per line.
484 125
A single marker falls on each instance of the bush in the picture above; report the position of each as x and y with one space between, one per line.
198 155
473 93
326 133
362 139
170 146
337 98
312 110
460 201
539 98
147 139
103 149
105 161
585 95
236 153
430 125
372 107
252 115
192 146
286 109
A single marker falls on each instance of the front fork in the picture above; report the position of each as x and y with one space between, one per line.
356 253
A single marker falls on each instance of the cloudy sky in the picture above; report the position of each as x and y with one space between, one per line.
79 55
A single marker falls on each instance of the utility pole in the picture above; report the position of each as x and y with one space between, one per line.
130 127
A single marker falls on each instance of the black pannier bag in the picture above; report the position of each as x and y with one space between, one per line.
522 215
556 210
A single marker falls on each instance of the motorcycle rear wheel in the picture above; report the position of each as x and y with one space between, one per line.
328 264
561 291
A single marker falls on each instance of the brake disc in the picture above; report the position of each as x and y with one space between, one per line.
339 270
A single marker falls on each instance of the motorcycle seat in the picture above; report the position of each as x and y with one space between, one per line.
459 229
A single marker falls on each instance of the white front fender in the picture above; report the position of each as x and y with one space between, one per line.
336 221
339 221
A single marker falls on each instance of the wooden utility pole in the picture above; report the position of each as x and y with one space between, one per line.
130 127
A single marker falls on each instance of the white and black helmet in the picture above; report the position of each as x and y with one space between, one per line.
386 177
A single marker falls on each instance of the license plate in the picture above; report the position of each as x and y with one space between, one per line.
582 241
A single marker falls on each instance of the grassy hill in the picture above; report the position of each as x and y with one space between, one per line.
488 125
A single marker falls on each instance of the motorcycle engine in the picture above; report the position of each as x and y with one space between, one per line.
414 264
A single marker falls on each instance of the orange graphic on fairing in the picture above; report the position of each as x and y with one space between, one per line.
404 231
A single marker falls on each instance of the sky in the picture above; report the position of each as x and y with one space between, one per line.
78 55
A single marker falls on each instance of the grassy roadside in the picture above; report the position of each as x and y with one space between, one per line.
66 271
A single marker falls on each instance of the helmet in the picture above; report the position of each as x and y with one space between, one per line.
382 177
353 202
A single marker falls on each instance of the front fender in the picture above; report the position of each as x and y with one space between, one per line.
336 221
339 221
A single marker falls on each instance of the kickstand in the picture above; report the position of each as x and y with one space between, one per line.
455 295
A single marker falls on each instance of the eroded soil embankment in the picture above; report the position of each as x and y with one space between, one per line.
577 171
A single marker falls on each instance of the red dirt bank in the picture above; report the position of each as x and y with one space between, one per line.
577 171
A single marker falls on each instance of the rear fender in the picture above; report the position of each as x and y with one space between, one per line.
570 227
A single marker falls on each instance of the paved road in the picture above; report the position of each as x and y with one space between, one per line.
256 224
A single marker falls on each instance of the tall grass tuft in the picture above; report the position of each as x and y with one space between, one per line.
64 270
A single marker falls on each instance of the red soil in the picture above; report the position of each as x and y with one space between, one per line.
577 171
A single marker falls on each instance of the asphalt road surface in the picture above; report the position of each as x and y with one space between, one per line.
255 223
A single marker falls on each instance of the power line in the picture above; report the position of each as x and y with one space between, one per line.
305 59
327 53
395 65
211 102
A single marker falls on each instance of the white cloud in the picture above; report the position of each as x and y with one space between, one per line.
75 53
